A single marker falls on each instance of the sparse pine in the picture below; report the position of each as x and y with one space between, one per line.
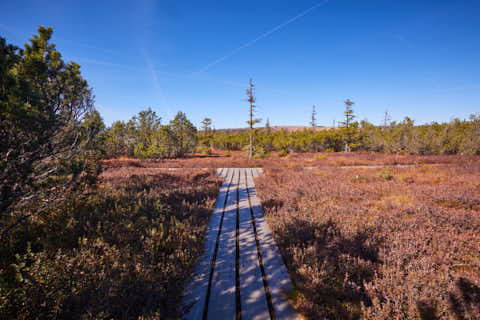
313 121
252 108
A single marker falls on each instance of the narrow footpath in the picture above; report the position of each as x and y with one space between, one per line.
241 274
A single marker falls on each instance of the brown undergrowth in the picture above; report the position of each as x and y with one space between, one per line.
124 252
387 243
237 159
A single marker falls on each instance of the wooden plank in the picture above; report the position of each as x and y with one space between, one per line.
225 172
276 273
196 292
252 292
222 304
252 171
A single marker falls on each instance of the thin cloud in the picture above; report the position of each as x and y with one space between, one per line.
84 45
262 36
74 43
105 63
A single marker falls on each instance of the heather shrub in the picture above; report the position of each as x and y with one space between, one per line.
373 248
124 252
386 173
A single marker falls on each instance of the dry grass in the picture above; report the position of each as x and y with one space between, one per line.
395 243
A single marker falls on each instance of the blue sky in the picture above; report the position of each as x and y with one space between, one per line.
415 58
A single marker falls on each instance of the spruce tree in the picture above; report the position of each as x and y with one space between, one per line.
252 107
349 116
313 122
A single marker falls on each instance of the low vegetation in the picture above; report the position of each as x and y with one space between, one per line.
124 252
239 159
386 243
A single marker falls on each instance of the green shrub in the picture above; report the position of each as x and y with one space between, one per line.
386 173
283 153
204 150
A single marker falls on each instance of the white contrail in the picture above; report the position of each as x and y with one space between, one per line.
262 36
55 37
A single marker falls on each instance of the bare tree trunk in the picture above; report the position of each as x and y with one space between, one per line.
250 152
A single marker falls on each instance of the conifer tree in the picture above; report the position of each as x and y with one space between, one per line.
267 126
252 107
206 125
313 122
349 116
386 119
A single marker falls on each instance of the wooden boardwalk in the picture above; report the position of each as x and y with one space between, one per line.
241 274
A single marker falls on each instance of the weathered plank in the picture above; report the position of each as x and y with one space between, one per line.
252 292
196 292
222 304
275 271
252 171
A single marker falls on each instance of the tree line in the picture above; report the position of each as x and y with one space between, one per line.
455 137
144 136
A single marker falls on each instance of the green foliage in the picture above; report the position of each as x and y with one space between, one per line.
349 116
204 150
184 134
49 129
455 137
144 136
283 153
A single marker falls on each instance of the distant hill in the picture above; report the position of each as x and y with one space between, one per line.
277 128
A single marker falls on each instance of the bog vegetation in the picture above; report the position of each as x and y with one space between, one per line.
389 243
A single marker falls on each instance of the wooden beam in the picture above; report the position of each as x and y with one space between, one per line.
222 303
195 294
276 273
252 292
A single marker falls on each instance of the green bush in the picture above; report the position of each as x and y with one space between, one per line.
283 153
386 173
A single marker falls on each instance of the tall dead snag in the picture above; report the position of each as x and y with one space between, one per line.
313 122
251 122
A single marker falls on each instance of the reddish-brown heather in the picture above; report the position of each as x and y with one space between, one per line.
387 243
237 159
125 252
